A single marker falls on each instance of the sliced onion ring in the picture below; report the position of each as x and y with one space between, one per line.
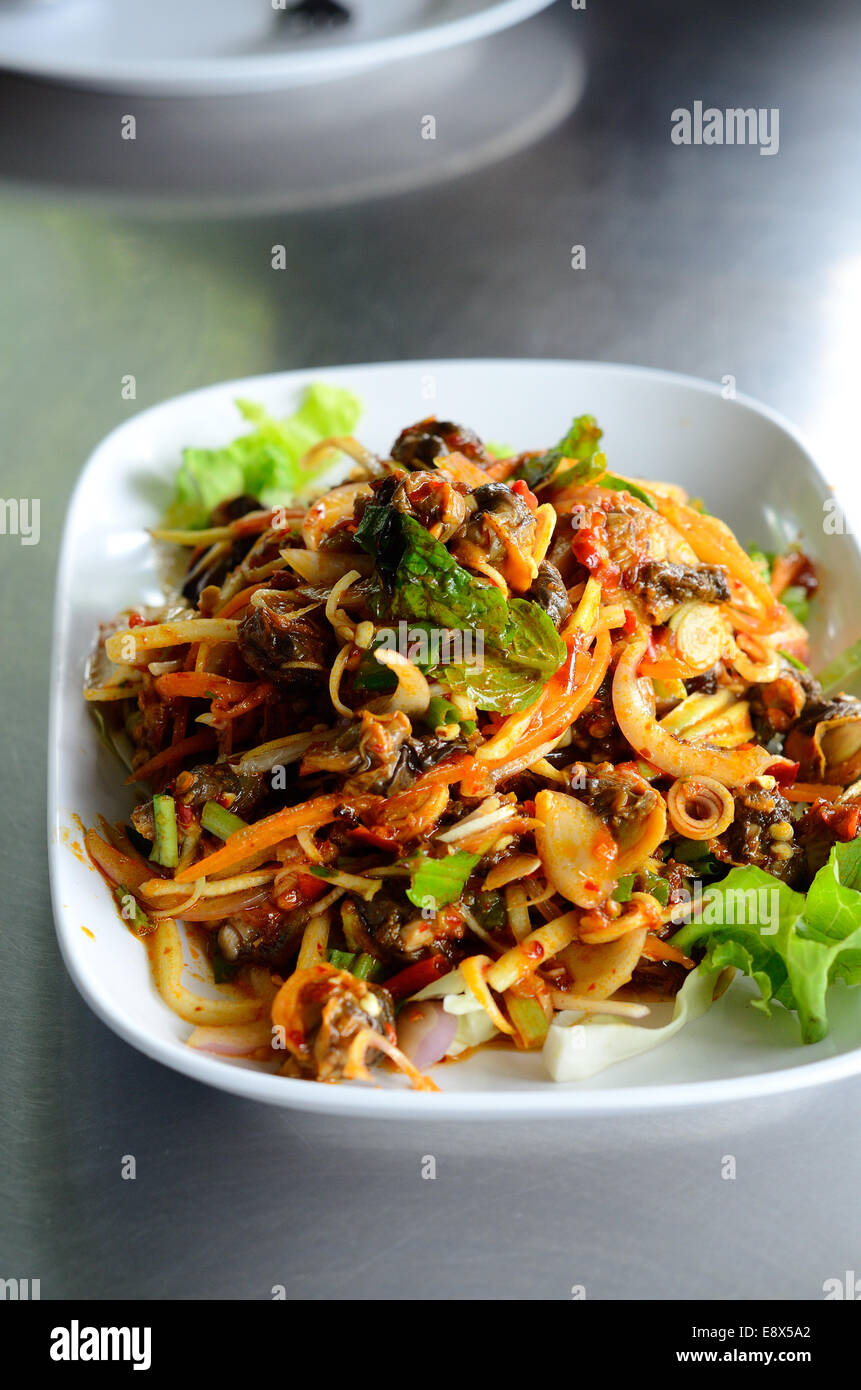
425 1032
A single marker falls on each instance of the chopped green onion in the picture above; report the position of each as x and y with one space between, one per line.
441 712
624 889
165 850
219 821
367 967
360 964
342 960
793 660
370 675
529 1019
139 920
689 851
658 887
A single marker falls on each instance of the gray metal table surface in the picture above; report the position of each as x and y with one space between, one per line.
717 261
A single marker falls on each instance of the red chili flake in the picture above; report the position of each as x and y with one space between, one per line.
630 620
590 884
534 950
522 489
529 808
584 549
136 620
184 814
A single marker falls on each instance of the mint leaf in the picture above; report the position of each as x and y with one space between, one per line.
580 443
430 590
792 946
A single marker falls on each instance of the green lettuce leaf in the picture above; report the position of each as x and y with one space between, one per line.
437 882
265 462
792 946
380 533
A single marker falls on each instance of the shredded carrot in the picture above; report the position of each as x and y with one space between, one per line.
463 470
269 831
812 791
195 743
783 572
440 776
257 697
656 949
202 685
501 469
252 522
238 601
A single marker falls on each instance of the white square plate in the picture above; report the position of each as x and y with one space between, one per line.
748 465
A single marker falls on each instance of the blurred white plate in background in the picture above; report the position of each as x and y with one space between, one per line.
300 148
194 47
750 467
